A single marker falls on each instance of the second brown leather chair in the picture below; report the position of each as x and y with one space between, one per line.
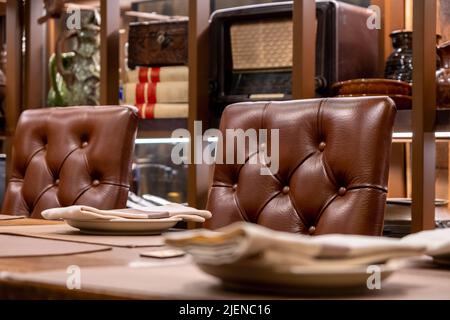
333 167
71 156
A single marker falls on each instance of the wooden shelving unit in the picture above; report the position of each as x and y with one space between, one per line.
424 115
423 120
199 13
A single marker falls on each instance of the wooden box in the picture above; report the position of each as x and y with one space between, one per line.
158 43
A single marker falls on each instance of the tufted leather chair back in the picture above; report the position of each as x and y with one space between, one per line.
71 156
333 167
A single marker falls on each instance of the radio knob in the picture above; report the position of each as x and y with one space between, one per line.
320 82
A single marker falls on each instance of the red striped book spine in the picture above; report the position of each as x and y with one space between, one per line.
146 111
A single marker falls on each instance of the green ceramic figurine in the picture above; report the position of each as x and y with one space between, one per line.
75 72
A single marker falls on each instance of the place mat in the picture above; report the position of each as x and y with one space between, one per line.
27 222
21 247
7 218
64 232
159 280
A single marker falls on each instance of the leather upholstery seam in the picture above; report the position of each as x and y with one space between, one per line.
114 184
319 117
368 186
32 157
300 164
87 188
81 193
87 165
38 198
328 203
328 172
277 177
48 170
222 186
298 212
279 180
257 152
241 211
263 115
265 205
65 159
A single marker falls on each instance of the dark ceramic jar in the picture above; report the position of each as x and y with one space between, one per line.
399 64
443 76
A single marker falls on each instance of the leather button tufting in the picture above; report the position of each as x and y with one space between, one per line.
52 144
286 190
322 146
235 187
312 230
342 191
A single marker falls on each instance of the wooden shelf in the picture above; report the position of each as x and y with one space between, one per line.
160 128
20 97
403 121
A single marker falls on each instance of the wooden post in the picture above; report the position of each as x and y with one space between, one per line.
424 115
34 57
14 89
392 18
52 34
304 49
199 12
110 42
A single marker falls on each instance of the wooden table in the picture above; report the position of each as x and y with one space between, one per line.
122 274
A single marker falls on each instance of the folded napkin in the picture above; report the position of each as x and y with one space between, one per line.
436 241
242 241
84 213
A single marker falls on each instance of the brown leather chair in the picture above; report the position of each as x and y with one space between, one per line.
333 167
71 156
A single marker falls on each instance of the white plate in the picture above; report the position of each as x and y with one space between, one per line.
296 279
124 227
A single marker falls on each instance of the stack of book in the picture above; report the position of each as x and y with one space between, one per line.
158 93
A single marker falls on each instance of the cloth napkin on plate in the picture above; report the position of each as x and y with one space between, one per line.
243 241
173 210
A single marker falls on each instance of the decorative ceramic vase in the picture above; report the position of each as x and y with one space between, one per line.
75 75
399 65
443 76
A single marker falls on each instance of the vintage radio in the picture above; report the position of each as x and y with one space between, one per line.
252 49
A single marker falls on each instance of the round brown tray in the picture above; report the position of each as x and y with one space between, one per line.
373 87
399 91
